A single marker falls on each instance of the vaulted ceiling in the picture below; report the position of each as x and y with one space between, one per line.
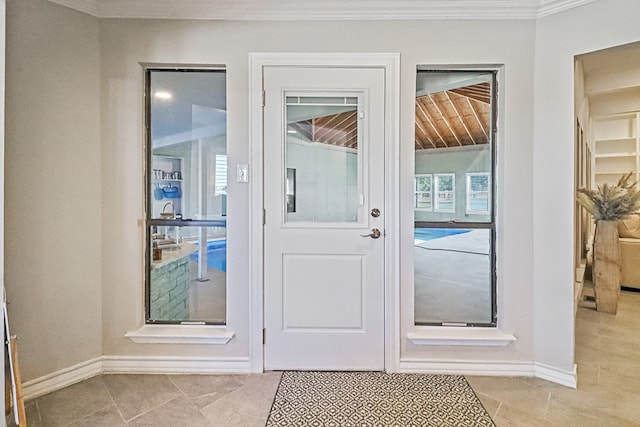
453 118
450 118
327 9
335 129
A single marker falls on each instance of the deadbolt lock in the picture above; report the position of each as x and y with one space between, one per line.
375 212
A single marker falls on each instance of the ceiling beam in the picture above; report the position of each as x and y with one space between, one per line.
460 115
445 120
429 85
433 127
425 134
477 116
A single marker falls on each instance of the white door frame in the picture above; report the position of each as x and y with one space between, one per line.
390 62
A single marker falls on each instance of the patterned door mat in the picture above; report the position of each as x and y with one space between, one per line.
344 399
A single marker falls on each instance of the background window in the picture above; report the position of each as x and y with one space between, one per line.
186 196
423 198
445 185
478 193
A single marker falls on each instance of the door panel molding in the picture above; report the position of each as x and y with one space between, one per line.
390 62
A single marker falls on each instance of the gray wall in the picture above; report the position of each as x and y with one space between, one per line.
53 186
70 108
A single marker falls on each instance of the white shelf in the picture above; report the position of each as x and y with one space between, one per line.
166 165
615 155
619 126
617 147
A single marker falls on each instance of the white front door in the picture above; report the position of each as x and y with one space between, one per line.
324 197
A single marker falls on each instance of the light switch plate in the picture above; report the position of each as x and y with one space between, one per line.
242 172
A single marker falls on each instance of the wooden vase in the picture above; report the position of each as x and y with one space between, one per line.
606 266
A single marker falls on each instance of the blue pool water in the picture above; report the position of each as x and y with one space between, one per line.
216 255
436 233
217 249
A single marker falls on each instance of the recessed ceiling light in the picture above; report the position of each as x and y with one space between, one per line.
162 95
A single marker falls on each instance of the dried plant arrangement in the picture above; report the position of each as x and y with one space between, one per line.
611 202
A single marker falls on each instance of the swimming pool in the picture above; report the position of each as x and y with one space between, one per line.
216 255
217 249
435 233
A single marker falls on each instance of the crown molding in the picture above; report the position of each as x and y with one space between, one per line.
551 7
289 10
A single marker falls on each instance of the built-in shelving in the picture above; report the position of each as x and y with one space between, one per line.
166 191
617 147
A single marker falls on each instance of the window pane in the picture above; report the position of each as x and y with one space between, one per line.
321 177
188 274
452 276
423 192
445 191
454 269
187 146
478 193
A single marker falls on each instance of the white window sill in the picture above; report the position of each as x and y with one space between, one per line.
460 336
180 334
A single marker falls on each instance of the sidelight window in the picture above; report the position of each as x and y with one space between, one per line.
186 195
454 243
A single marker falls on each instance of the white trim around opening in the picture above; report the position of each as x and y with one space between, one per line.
390 62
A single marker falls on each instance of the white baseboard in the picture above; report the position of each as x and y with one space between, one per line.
204 365
62 378
132 365
174 365
550 373
500 368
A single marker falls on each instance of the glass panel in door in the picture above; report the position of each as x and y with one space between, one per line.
322 177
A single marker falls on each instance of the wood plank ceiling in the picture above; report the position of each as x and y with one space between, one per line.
452 118
336 129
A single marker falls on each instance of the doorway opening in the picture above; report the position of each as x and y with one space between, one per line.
323 153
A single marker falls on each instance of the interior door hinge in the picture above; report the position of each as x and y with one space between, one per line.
264 217
264 336
264 98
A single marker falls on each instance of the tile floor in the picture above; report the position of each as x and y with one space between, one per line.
608 394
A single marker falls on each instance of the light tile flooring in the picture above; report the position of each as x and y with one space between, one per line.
608 394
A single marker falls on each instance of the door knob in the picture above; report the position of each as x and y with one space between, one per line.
375 234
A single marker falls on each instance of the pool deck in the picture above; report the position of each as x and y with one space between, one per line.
452 278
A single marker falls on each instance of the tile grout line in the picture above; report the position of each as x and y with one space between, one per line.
97 410
495 416
157 406
189 399
113 400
